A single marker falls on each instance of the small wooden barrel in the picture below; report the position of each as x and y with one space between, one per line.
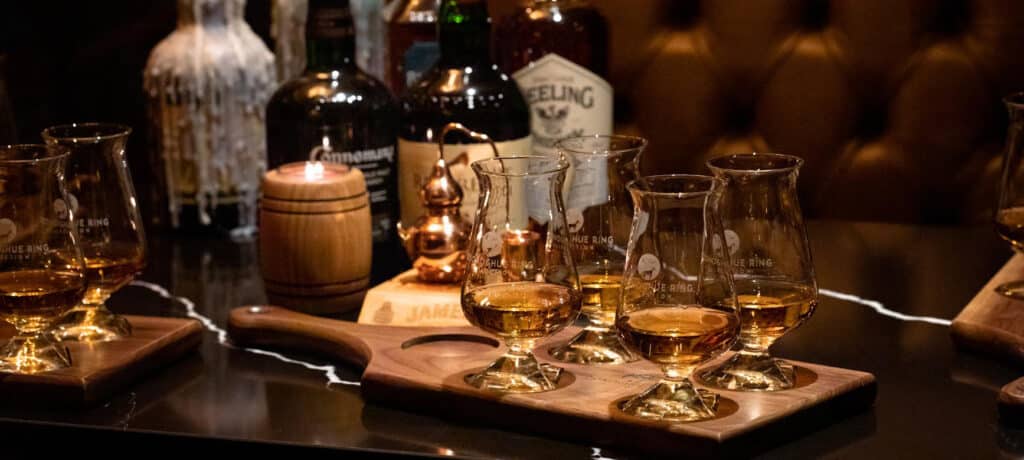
315 237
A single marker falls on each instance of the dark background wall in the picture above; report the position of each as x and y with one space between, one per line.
895 104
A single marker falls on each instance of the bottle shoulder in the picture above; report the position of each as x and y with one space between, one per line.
484 100
484 86
577 32
349 87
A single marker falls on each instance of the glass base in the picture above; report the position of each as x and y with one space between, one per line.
91 324
747 372
675 401
1012 289
593 346
25 354
517 374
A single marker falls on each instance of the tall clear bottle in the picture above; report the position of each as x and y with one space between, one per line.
336 112
464 86
557 51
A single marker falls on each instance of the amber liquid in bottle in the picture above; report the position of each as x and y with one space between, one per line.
677 334
574 30
521 309
39 295
557 51
412 42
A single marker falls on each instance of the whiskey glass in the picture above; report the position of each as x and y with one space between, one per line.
775 284
41 264
599 211
521 283
1009 218
678 307
102 197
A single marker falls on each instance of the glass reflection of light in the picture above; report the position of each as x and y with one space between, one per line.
452 81
314 171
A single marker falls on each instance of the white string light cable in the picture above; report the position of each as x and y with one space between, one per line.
222 336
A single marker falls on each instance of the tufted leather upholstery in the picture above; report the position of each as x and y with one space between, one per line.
895 104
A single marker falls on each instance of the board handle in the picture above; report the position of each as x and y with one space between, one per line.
278 328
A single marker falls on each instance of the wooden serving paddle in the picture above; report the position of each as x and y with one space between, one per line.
993 323
422 369
100 369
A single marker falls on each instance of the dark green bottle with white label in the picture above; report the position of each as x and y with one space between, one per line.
336 112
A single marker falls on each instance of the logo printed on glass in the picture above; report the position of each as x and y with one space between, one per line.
574 217
8 231
61 209
491 244
649 267
732 241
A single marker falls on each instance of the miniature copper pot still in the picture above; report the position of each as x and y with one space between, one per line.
437 242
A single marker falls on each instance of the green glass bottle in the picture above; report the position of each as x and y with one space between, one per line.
464 86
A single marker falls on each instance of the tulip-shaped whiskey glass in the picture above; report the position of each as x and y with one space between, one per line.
102 196
599 212
41 264
775 284
678 308
521 283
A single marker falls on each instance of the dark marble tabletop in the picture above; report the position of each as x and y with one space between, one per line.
933 401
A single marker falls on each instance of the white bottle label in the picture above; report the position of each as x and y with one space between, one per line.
416 161
565 100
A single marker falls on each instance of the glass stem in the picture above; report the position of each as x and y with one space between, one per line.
755 347
677 373
519 348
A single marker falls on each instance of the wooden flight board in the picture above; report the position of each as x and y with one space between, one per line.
422 369
993 323
100 369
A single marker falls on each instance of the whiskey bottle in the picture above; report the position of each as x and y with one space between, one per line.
464 86
338 113
557 51
411 41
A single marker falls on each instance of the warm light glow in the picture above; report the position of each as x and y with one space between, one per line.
452 81
314 171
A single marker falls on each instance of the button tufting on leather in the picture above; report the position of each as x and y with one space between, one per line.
895 104
815 15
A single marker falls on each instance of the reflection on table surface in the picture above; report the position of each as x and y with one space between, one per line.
933 401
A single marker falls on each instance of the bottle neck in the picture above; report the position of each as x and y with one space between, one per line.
205 13
330 35
323 54
464 33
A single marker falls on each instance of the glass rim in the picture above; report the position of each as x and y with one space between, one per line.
636 185
642 144
797 162
50 154
561 163
117 130
1015 99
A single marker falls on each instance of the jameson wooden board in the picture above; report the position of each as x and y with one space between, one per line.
422 369
100 369
406 301
992 323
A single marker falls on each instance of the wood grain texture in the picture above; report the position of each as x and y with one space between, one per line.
406 301
421 369
101 369
992 323
316 240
